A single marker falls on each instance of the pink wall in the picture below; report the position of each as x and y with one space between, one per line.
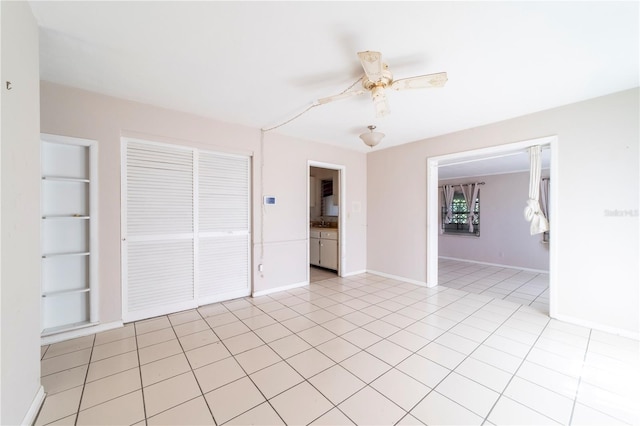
598 171
279 232
504 234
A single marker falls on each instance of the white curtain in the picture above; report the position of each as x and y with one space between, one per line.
448 192
470 195
544 198
532 212
447 199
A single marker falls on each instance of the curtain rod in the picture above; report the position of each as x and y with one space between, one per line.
464 184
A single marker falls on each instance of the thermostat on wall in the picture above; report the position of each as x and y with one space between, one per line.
269 200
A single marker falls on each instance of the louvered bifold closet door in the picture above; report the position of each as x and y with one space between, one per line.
223 226
158 230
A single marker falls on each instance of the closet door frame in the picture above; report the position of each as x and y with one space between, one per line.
197 299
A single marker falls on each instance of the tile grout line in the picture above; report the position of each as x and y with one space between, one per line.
144 404
486 419
433 389
267 400
84 383
184 353
584 360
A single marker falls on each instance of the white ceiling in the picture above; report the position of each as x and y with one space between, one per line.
261 63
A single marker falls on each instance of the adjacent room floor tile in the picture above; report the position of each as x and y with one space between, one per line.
468 393
164 368
368 407
126 409
64 362
508 412
276 378
310 362
64 380
334 417
423 370
110 387
233 399
219 373
262 414
207 354
336 383
400 388
257 358
59 406
436 409
193 412
301 404
170 393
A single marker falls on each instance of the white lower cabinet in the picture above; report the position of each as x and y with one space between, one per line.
323 249
329 254
314 251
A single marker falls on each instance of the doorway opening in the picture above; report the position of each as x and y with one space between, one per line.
326 219
477 156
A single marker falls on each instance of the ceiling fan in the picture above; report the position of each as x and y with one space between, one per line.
377 78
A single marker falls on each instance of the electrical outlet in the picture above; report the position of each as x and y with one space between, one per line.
260 268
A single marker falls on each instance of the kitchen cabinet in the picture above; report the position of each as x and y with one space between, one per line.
323 248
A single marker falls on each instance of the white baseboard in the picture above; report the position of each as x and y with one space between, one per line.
396 277
350 274
277 289
539 271
34 409
605 328
80 332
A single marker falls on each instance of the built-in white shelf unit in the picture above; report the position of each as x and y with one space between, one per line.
68 233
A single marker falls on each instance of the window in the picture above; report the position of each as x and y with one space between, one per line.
459 223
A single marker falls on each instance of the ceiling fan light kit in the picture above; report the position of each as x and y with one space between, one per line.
372 138
377 78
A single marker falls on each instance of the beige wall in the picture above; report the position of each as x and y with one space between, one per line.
20 216
72 112
598 149
504 234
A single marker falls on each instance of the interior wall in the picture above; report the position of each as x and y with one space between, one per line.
279 231
504 234
596 235
20 215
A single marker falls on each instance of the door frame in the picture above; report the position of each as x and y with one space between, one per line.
433 164
342 234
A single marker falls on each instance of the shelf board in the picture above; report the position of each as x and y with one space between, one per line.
64 292
65 179
85 253
65 216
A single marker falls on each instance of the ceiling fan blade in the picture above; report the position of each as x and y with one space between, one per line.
372 64
380 103
421 81
341 96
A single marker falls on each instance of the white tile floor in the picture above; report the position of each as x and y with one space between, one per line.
516 285
319 274
361 350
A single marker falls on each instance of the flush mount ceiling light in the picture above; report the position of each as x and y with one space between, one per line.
372 138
